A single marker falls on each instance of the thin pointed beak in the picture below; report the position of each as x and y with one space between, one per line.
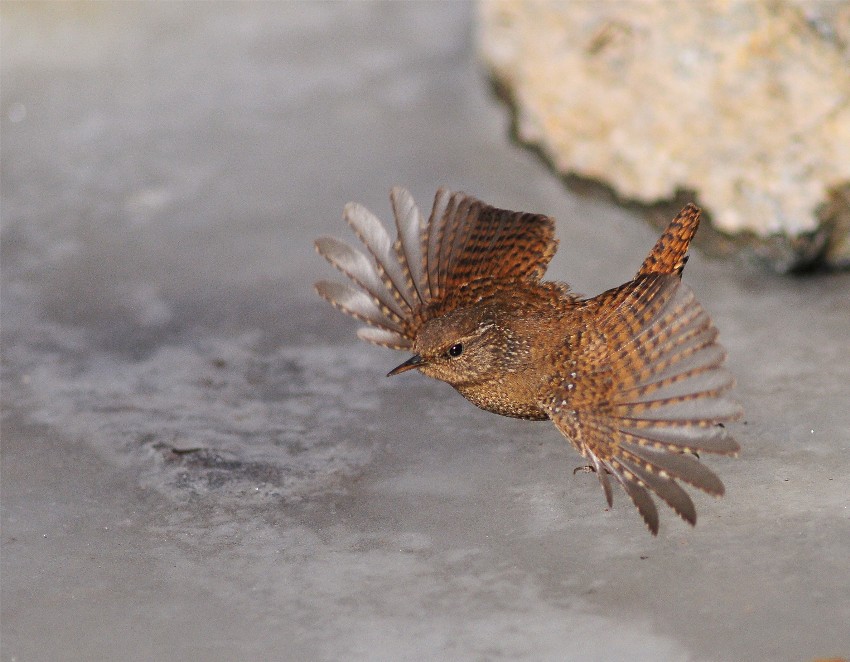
410 364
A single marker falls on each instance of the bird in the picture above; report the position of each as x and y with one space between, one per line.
633 377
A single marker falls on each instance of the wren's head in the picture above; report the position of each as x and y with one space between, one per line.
465 346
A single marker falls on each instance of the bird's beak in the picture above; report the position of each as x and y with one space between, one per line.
410 364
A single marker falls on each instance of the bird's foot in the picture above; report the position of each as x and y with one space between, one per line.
587 469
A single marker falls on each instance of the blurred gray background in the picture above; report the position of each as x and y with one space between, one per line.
201 462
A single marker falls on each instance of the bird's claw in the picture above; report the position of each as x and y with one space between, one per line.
588 469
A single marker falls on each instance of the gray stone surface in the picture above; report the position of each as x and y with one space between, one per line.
199 460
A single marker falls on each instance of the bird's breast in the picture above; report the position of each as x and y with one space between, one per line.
504 398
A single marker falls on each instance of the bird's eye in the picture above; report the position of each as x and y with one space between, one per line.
456 350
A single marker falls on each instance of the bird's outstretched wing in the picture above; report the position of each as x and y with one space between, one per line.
641 383
466 249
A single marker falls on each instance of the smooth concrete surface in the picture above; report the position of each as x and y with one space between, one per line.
201 462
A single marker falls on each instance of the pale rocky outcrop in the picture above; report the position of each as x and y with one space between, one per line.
744 102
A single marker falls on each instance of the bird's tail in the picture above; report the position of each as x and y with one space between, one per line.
669 254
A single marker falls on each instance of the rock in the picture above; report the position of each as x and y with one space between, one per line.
744 103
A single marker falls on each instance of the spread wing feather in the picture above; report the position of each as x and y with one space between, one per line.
433 240
358 304
384 338
645 385
362 271
374 236
408 220
466 249
669 490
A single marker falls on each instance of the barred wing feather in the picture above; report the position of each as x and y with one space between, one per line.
648 385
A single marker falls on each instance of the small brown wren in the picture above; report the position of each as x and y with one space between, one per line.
632 377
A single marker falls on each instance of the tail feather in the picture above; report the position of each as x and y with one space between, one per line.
669 254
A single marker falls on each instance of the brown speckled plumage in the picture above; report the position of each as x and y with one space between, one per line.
632 377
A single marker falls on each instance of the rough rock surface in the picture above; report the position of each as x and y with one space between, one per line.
745 103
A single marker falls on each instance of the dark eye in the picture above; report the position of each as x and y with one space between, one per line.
456 350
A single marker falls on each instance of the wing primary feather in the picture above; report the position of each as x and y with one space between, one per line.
465 217
448 231
383 338
454 216
638 494
702 439
432 239
691 411
374 236
705 380
646 384
409 224
602 474
683 466
361 270
356 303
666 488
